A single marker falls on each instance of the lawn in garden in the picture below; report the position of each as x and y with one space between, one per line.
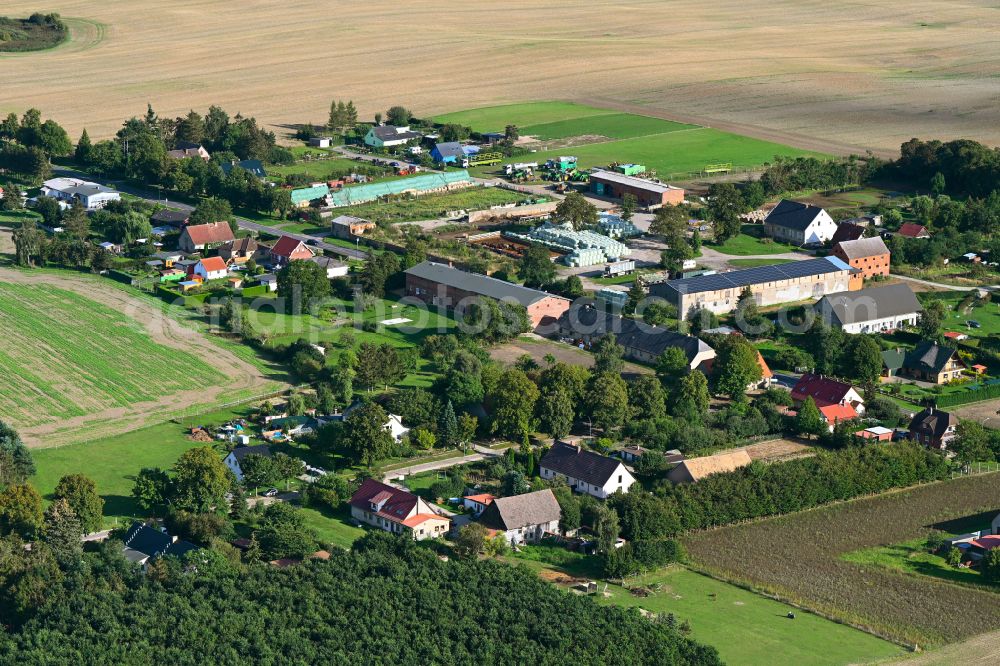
113 462
750 241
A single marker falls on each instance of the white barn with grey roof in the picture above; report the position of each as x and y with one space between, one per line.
799 223
770 285
872 310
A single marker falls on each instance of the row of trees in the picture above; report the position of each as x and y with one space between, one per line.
763 490
115 606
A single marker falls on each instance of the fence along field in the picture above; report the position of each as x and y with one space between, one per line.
65 356
798 558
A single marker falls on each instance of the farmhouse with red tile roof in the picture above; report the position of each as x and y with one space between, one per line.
911 230
202 236
396 511
289 249
826 391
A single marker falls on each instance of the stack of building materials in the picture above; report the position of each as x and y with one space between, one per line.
581 248
615 227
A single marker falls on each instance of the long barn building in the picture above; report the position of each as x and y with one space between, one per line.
447 287
770 285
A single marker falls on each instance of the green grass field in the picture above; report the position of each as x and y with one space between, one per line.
611 125
320 169
748 243
431 206
744 627
496 118
113 462
64 355
671 149
331 527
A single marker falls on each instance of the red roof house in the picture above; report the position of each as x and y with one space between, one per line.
289 249
826 391
201 236
834 414
910 230
397 511
211 268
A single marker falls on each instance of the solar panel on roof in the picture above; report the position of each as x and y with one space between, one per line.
750 276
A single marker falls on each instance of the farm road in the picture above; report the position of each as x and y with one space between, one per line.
164 330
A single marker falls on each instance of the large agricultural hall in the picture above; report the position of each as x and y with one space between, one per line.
770 285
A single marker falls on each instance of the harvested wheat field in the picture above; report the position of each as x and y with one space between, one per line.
82 359
823 77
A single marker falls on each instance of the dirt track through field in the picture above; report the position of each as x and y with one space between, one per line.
821 75
240 375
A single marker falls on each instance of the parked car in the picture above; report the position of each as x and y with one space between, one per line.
270 492
973 323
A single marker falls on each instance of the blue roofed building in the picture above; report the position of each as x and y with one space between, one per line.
810 279
448 152
254 167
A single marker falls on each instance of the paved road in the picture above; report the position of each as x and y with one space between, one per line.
151 197
949 287
481 453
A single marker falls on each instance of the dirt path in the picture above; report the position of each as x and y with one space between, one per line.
163 329
976 651
778 449
801 141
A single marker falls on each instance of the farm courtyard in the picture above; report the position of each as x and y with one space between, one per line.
83 359
848 76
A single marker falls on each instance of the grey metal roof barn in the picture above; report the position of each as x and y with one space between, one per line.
849 307
758 275
793 215
622 179
476 283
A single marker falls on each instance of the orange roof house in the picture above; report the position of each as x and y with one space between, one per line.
398 511
202 236
289 249
834 414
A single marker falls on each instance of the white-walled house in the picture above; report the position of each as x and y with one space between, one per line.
524 518
585 471
211 268
872 310
387 136
90 195
236 456
799 224
397 511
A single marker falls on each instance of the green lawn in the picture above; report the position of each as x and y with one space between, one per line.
496 118
744 627
753 263
321 169
988 315
611 125
331 527
15 218
914 558
749 242
113 462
